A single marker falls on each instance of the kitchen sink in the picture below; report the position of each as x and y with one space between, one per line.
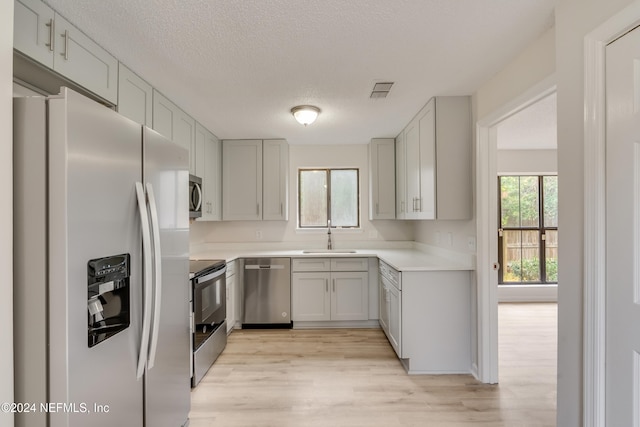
329 251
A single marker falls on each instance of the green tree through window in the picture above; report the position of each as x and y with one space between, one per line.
528 229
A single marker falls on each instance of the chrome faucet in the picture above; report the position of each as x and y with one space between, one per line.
329 234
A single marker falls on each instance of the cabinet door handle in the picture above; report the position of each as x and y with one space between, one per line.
258 209
52 36
377 209
334 285
402 207
326 285
66 45
281 209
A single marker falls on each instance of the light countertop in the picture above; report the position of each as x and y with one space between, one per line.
402 259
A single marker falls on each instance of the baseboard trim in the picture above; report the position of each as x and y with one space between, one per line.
363 324
528 293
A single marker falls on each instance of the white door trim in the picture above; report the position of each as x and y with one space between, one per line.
487 226
594 211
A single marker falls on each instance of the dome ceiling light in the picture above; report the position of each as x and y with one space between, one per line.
305 114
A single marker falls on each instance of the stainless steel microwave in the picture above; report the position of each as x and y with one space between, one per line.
195 196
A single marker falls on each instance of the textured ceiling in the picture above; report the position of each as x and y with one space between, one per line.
533 128
238 66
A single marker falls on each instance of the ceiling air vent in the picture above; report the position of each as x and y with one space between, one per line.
381 90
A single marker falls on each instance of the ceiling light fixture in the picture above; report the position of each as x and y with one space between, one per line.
305 114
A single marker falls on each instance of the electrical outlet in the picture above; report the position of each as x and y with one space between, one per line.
471 243
258 234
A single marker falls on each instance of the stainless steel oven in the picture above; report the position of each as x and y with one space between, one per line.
210 295
209 310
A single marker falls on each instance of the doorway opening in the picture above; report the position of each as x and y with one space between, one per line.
527 245
508 134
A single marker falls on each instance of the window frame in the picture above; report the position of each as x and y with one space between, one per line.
328 175
542 229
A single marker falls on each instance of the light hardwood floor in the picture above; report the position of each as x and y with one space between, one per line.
352 378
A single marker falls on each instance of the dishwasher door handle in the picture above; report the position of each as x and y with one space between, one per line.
264 267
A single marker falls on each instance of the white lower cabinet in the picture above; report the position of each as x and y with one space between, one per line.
231 289
310 297
395 319
390 300
436 322
321 290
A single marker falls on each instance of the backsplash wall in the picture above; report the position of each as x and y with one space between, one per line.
307 156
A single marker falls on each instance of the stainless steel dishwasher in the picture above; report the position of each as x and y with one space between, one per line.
266 292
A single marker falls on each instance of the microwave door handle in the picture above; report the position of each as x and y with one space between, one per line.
196 187
157 286
146 265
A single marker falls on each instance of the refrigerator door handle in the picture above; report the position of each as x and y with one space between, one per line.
157 286
146 249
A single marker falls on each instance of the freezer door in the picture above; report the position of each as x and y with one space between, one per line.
95 158
168 378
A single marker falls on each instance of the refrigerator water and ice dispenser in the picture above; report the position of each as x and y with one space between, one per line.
107 297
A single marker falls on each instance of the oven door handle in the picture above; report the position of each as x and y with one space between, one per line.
157 286
210 276
146 265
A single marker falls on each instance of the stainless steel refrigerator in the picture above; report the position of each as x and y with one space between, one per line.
101 289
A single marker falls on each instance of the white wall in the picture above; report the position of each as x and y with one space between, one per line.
574 20
6 210
532 162
306 156
533 65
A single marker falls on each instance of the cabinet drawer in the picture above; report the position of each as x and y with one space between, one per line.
310 264
349 264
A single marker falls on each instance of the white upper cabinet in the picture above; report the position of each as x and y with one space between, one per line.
33 30
401 177
453 158
420 165
176 125
208 166
434 162
255 179
242 180
163 115
135 97
51 40
382 184
185 136
275 183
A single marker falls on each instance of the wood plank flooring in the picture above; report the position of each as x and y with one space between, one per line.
346 377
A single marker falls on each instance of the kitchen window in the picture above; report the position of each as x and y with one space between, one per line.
528 229
328 195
